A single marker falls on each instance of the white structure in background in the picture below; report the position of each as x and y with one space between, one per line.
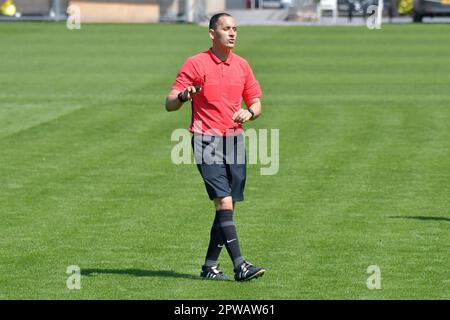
380 13
287 4
196 10
327 5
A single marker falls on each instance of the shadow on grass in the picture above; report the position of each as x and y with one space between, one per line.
423 218
140 273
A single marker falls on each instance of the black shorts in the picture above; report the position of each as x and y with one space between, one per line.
222 164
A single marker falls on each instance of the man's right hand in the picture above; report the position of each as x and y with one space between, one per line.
173 102
189 92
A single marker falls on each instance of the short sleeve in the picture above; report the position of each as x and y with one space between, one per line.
252 89
186 76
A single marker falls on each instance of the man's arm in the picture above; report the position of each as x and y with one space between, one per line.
172 101
244 115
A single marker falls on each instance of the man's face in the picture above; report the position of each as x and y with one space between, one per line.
225 34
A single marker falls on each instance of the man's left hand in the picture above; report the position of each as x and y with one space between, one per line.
242 116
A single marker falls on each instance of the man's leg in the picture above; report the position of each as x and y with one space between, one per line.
216 182
243 270
224 217
216 242
224 203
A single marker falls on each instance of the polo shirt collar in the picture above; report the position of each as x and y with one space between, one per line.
218 61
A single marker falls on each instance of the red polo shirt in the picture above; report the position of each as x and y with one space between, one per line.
224 84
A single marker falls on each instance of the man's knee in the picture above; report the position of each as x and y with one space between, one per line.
225 203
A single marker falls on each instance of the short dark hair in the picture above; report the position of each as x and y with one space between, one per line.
215 18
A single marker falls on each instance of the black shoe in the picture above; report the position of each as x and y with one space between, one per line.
213 273
246 271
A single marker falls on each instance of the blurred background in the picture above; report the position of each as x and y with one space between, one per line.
246 11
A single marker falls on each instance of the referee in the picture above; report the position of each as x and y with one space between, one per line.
215 82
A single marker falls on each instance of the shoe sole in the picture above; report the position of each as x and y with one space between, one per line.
260 273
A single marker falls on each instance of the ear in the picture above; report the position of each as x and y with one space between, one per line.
211 34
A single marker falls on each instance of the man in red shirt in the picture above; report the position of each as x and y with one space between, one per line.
216 81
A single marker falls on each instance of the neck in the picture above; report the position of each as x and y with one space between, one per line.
220 53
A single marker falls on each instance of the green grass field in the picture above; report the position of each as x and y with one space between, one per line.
86 175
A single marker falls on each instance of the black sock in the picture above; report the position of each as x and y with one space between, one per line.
216 244
229 233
